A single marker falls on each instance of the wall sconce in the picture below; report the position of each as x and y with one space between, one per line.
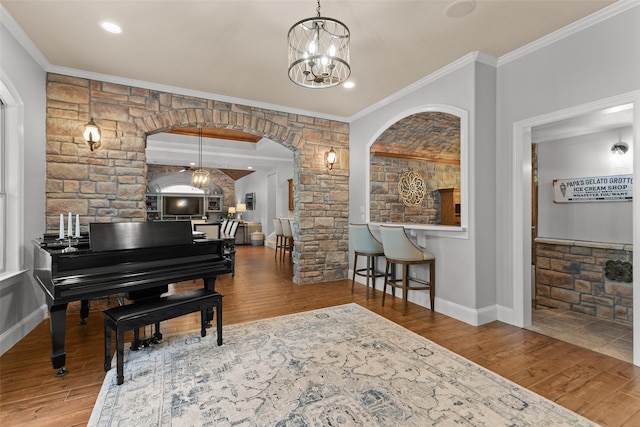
620 148
330 158
241 207
91 134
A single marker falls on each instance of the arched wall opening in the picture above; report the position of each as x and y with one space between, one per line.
109 184
463 115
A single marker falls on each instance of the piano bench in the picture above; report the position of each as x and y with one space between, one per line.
147 312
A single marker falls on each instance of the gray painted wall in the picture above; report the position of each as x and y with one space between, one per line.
593 64
459 268
21 301
577 157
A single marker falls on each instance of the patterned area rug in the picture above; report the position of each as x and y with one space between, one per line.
341 366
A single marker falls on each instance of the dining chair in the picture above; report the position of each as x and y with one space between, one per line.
233 229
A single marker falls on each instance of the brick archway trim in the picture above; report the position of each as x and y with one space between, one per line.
109 184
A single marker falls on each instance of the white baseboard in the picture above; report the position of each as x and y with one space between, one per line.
20 330
472 316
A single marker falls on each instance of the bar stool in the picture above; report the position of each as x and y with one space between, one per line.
287 232
365 244
399 249
277 226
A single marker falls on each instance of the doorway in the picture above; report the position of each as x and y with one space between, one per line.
563 123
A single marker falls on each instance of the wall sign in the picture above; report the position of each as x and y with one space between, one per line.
614 188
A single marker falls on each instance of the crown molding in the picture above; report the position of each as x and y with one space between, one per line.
447 69
17 31
588 21
187 92
22 38
573 28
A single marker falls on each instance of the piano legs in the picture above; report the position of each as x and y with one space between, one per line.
137 343
84 311
58 319
57 325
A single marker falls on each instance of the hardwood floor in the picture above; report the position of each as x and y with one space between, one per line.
601 388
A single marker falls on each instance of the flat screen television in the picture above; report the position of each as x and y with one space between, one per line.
182 205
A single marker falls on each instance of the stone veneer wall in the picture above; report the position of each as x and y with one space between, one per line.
219 180
386 205
109 184
570 275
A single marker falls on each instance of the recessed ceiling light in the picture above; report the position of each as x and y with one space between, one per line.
111 27
460 8
349 85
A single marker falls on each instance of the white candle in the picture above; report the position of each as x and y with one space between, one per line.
77 225
61 226
69 229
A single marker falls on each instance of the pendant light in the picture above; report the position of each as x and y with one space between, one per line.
319 52
200 177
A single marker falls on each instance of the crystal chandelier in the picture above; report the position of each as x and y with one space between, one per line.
319 52
200 177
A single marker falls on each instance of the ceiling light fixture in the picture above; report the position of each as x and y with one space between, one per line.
319 52
200 177
620 148
110 27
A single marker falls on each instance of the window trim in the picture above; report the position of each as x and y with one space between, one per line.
13 126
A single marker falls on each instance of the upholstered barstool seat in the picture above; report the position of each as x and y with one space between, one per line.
365 244
399 249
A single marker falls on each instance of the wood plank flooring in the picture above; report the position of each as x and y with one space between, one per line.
601 388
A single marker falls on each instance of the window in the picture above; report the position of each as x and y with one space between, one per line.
11 197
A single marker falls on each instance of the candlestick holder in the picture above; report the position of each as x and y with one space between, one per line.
70 248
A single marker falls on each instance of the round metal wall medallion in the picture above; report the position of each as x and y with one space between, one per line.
411 187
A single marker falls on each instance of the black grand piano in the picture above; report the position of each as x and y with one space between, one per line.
137 259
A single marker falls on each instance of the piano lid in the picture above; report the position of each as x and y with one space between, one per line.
113 236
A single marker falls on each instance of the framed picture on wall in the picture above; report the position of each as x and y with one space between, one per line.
250 201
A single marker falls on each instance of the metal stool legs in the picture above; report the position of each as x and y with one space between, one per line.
370 271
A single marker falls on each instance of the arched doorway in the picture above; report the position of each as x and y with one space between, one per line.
110 185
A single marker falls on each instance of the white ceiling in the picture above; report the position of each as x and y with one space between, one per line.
236 50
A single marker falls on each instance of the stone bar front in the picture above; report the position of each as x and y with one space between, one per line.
593 278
